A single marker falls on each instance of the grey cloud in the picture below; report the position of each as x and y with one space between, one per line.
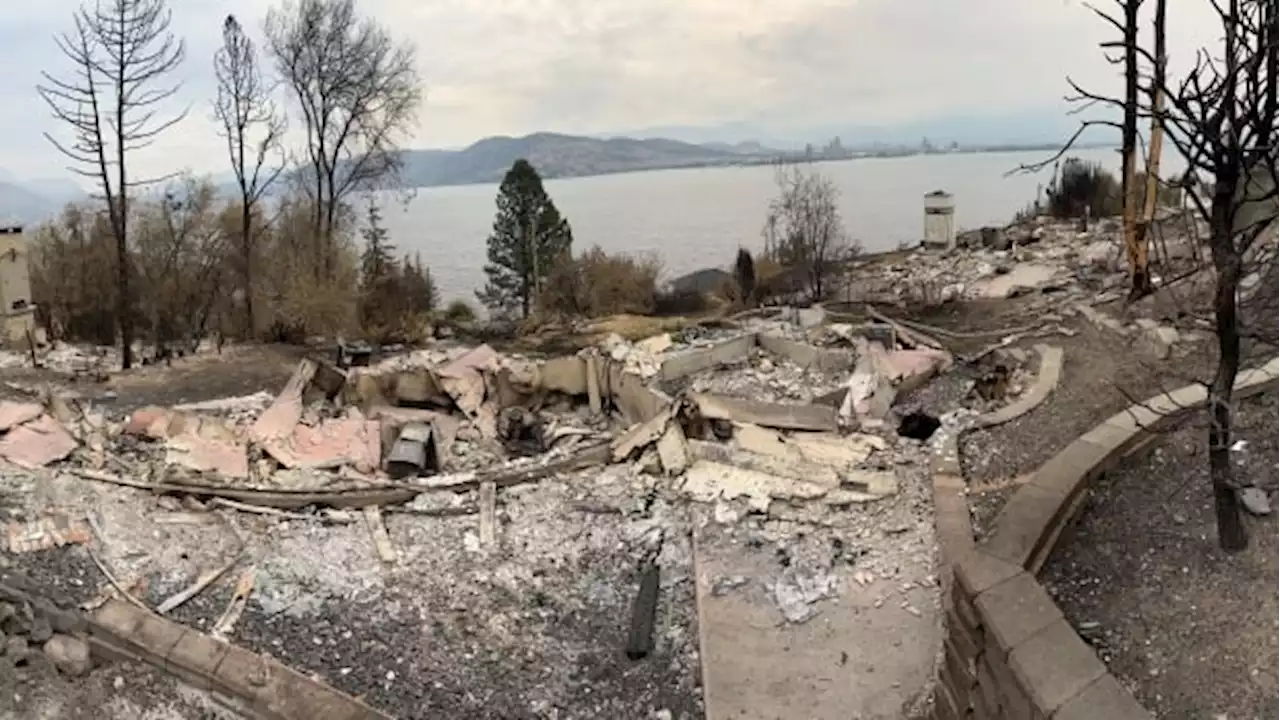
516 66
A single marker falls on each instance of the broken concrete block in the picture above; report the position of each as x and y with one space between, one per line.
724 353
655 345
37 443
595 401
564 374
812 316
774 415
418 387
363 390
805 355
635 400
673 450
640 435
461 378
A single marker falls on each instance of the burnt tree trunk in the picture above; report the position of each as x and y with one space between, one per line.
1231 532
1137 250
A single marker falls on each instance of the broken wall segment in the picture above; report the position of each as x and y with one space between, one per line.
825 360
821 418
699 359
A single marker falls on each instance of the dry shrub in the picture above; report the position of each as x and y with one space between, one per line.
188 271
596 283
458 312
72 264
777 282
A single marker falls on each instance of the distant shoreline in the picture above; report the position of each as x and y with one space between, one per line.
756 161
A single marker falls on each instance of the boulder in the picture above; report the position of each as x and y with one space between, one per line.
69 654
1157 342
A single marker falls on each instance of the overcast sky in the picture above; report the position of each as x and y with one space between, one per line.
585 66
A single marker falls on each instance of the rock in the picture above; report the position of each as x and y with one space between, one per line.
1101 255
1255 501
70 655
41 631
1157 342
16 649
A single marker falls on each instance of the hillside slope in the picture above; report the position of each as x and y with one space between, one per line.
556 155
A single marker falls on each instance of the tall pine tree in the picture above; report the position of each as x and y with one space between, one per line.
528 237
379 276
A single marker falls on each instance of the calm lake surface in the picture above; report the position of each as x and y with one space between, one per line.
698 218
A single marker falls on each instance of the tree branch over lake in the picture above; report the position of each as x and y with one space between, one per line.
357 92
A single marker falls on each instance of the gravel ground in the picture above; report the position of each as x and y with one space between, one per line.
129 691
532 627
1191 630
239 370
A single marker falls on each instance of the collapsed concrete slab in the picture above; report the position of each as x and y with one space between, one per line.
774 415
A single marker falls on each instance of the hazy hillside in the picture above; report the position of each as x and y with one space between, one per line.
556 155
19 205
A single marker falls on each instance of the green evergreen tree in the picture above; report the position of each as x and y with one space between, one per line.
417 285
744 271
380 276
528 237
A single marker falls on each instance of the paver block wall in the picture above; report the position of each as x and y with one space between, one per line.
1009 653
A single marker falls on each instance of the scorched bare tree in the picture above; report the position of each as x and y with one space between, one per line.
121 51
1221 116
254 129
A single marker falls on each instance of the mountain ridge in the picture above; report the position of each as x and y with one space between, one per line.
555 155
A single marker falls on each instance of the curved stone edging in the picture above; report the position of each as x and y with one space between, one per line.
951 508
1010 652
254 685
1047 378
259 686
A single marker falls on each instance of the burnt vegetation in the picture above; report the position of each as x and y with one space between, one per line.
170 260
1221 116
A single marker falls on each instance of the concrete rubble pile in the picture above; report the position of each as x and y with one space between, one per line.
412 416
1036 255
673 413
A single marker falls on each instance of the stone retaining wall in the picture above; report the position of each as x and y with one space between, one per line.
1009 652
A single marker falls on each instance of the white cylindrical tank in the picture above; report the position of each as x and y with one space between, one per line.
940 220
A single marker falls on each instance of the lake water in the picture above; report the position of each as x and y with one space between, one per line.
698 218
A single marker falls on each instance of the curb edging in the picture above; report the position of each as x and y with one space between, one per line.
254 685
